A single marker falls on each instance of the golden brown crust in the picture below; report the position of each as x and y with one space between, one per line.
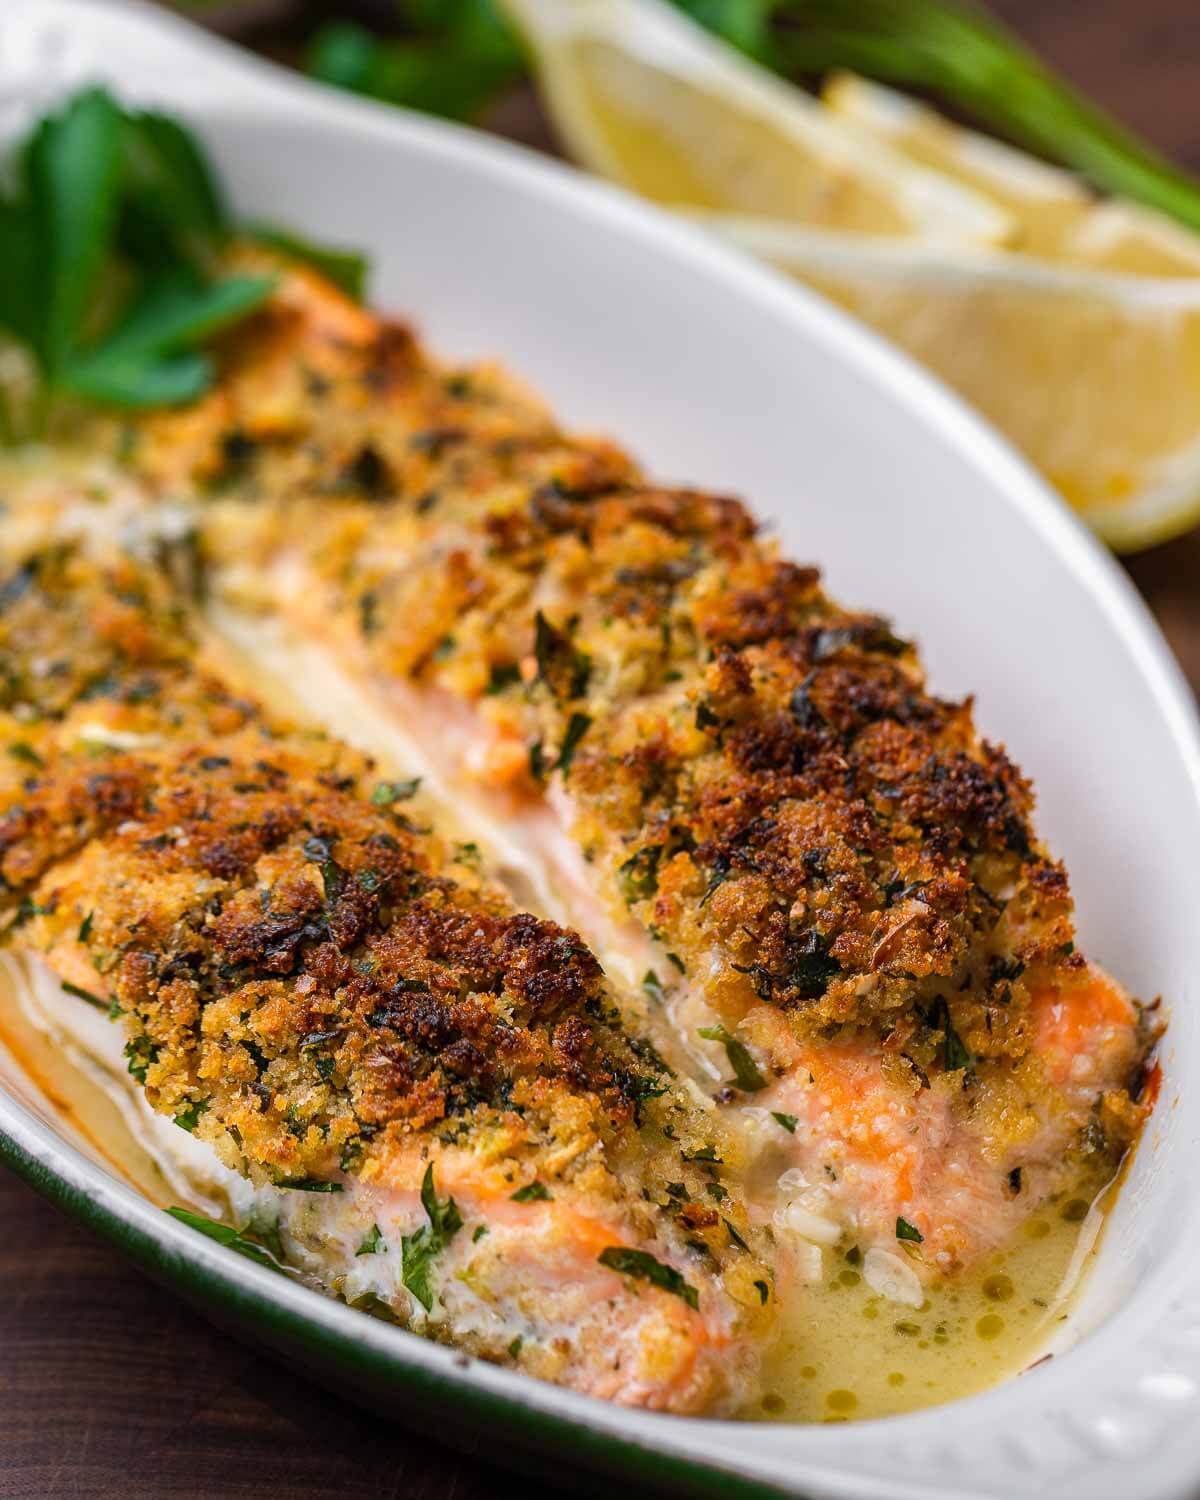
759 774
306 979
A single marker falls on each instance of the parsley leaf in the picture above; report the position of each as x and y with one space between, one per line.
187 1119
577 726
642 1265
149 358
462 55
388 792
71 171
373 1244
171 203
638 876
140 1053
532 1192
309 1185
746 1075
81 994
564 669
955 1054
653 986
789 1122
347 269
734 1237
418 1250
907 1231
226 1236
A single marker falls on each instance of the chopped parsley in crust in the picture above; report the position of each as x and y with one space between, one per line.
306 981
759 776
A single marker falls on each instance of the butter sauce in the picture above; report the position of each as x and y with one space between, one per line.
845 1352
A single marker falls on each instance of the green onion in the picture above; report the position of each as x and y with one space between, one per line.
971 62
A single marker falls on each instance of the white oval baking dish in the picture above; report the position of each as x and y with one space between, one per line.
716 371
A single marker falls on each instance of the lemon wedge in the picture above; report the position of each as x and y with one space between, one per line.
1094 375
1120 236
1074 325
1054 214
647 98
1046 203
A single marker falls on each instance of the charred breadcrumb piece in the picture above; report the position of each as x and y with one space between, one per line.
757 774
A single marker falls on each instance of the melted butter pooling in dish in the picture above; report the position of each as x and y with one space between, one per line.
846 1352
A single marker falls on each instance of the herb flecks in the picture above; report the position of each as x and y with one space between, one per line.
82 994
389 792
189 1117
309 1185
638 876
956 1057
577 726
564 669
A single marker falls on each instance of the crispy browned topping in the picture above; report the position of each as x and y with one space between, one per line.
760 775
301 980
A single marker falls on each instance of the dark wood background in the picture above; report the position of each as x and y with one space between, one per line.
110 1387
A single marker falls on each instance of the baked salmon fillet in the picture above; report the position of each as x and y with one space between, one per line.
808 876
420 1098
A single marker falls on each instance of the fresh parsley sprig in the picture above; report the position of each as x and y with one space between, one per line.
109 259
113 279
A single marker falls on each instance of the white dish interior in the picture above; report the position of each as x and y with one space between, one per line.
714 371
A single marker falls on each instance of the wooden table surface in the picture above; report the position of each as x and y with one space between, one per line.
111 1387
